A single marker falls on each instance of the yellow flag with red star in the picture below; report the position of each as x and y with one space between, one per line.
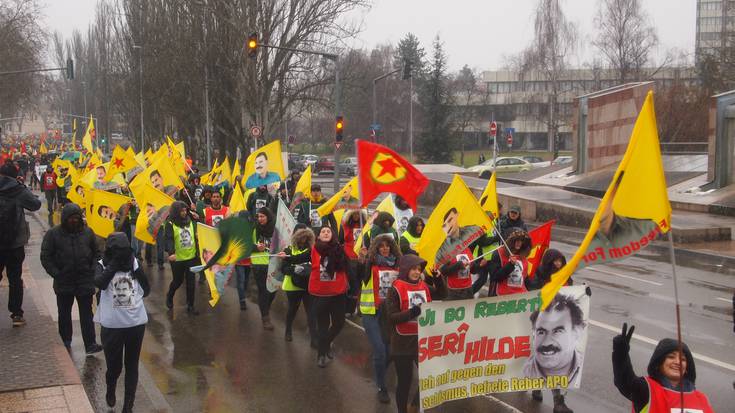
121 161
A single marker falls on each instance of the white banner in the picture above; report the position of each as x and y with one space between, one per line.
501 344
284 228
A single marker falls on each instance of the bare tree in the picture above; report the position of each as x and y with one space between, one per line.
625 37
466 92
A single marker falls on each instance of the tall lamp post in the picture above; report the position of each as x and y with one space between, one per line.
140 66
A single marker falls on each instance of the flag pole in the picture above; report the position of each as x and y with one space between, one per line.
678 313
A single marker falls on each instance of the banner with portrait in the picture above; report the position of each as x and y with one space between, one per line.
217 275
501 344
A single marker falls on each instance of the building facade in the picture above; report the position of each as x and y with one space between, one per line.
715 27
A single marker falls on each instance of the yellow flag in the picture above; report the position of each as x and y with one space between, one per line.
456 222
303 188
148 155
177 156
209 242
237 201
634 210
386 205
140 157
160 175
154 207
264 166
235 172
42 149
78 192
346 198
89 136
74 134
101 210
489 197
225 172
121 161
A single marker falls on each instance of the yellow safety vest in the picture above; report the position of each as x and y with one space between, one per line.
185 248
257 257
287 283
412 241
372 294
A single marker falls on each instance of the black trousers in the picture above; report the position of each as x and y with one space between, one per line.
181 273
12 261
330 318
294 301
50 199
265 297
355 284
119 341
64 303
404 371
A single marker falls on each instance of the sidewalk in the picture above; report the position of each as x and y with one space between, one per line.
36 372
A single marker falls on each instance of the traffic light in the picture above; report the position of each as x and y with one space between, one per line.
339 128
253 45
70 69
407 69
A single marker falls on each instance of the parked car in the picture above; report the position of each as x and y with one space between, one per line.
295 162
536 161
348 166
561 160
310 160
324 165
506 164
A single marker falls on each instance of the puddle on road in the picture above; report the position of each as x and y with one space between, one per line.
711 286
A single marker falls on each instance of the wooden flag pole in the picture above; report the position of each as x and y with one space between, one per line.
678 316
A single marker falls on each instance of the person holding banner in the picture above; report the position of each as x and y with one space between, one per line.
509 266
262 234
182 249
379 270
297 268
670 379
328 284
403 307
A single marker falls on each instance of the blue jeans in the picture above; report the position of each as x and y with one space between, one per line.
380 347
242 273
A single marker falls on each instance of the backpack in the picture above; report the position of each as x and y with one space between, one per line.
9 220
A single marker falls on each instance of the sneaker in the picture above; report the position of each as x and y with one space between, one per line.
321 361
383 396
537 395
267 325
560 406
93 348
18 320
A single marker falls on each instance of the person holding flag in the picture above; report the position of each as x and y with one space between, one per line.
297 268
315 220
260 198
262 234
182 249
508 267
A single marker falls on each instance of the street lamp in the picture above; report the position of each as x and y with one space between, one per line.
84 91
140 65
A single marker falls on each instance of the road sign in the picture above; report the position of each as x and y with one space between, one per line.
337 145
375 127
291 140
256 131
493 129
510 139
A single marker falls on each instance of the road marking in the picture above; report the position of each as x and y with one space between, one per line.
653 342
727 300
354 324
625 276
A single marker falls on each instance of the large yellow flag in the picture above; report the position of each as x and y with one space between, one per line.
489 197
346 198
303 188
177 154
89 136
154 207
264 166
102 208
78 192
121 161
209 242
634 210
456 222
161 175
237 201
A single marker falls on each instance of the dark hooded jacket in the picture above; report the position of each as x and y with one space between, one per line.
118 256
264 232
411 229
379 228
69 255
174 218
499 272
635 388
12 190
372 259
407 345
546 270
261 198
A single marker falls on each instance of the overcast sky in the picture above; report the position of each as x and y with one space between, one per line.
475 32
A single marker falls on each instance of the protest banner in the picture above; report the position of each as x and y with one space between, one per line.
285 224
470 348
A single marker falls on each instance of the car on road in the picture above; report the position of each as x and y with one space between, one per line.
348 166
324 165
536 161
310 160
561 160
295 162
505 164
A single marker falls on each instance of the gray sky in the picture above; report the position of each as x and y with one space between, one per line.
475 32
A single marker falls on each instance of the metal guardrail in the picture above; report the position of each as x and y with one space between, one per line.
684 148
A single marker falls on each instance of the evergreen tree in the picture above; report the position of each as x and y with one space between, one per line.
436 143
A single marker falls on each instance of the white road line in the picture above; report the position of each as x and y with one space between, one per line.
653 342
727 300
354 324
624 276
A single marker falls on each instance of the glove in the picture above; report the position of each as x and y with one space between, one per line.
415 311
621 342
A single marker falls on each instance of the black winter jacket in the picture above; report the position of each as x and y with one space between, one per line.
12 189
69 255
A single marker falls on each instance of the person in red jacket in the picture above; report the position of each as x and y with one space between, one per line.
215 212
328 284
349 232
48 186
509 269
671 373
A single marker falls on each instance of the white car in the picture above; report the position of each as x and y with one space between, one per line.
505 164
561 160
536 161
310 160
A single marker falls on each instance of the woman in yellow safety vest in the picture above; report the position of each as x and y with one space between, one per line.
259 259
181 248
297 269
379 270
412 235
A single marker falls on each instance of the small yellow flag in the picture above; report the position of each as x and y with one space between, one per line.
386 205
303 188
121 161
237 201
154 207
489 197
346 198
101 210
89 136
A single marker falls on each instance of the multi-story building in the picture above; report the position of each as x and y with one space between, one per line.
715 27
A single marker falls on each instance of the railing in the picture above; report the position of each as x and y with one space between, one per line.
684 148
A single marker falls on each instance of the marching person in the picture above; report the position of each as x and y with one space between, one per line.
122 315
68 254
349 232
15 198
297 269
48 186
328 284
216 211
379 270
315 221
671 376
261 199
412 235
182 250
262 233
382 224
509 269
403 306
242 272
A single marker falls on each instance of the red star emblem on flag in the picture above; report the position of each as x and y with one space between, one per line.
118 162
388 166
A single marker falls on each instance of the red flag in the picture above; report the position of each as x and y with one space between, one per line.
23 148
380 169
540 239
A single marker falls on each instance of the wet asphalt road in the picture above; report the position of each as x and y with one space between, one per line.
223 361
